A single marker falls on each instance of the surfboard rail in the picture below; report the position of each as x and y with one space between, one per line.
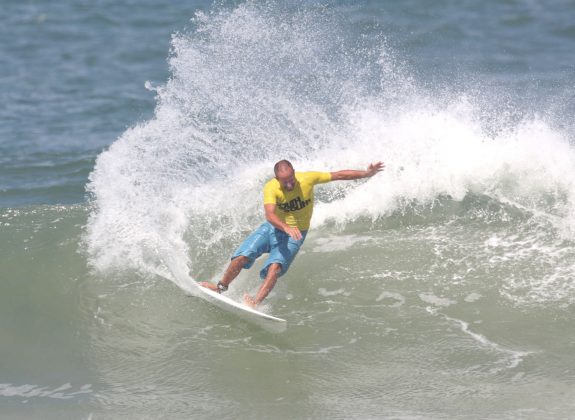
265 321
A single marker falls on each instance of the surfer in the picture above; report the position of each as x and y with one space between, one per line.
288 206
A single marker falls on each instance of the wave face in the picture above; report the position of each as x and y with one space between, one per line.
248 86
258 83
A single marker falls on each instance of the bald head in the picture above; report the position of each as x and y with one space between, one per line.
285 174
283 166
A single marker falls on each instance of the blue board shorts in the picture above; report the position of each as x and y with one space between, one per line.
281 247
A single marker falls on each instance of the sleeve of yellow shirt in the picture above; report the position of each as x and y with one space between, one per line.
270 192
319 177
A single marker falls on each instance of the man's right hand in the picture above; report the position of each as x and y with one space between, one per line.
272 217
294 232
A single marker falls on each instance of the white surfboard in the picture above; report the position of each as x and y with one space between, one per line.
267 322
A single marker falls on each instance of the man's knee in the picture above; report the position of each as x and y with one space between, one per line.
238 263
241 259
275 268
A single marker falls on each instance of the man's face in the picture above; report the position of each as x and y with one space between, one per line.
287 179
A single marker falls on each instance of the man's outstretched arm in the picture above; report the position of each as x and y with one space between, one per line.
349 174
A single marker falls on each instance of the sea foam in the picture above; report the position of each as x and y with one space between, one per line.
256 84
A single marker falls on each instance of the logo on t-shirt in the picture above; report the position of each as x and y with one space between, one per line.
294 205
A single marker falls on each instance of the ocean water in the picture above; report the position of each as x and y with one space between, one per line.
135 138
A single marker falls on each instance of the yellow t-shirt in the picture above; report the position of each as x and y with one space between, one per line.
295 207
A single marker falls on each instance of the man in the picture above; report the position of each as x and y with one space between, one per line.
288 205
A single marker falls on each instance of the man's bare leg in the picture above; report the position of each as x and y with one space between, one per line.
231 273
274 271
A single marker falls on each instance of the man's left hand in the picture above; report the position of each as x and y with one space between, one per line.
374 168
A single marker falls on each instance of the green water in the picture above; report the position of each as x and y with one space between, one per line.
383 322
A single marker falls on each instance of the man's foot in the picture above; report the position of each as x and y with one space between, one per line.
249 301
209 285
